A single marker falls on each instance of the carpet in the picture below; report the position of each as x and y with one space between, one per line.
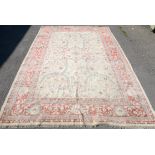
78 76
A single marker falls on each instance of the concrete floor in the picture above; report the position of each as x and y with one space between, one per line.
138 43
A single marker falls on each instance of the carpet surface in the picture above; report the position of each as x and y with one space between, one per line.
76 75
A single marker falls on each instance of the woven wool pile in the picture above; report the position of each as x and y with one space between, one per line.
76 75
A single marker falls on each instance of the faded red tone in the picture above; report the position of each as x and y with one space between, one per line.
24 107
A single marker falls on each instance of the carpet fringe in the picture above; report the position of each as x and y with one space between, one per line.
99 126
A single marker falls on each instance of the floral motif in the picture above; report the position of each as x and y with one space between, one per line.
79 74
136 111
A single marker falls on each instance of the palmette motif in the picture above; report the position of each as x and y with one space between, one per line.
76 75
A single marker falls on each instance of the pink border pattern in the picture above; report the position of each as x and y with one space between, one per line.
15 110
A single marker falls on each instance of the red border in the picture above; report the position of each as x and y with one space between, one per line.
17 105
